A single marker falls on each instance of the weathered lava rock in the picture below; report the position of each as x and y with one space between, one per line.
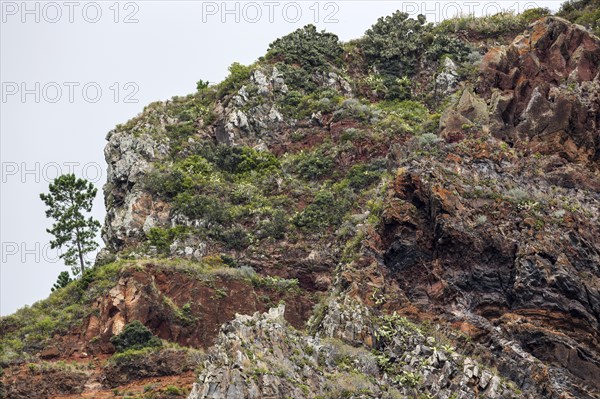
543 88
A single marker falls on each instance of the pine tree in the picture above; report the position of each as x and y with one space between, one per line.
62 281
67 201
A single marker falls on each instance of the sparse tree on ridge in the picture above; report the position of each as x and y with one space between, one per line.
68 201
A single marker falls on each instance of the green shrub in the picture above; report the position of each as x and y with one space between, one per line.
396 88
254 160
234 237
504 23
298 79
405 116
412 111
312 165
583 12
238 74
180 131
275 226
135 336
298 106
244 194
173 390
352 134
307 47
239 160
443 44
159 238
202 85
275 283
362 176
354 109
131 357
163 238
167 182
206 207
197 166
327 209
534 14
290 102
428 139
62 281
394 43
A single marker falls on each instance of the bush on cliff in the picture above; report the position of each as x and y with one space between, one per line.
135 336
396 45
582 12
308 48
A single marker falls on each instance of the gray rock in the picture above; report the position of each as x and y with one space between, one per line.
446 82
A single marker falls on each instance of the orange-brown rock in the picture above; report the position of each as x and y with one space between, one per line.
541 91
545 87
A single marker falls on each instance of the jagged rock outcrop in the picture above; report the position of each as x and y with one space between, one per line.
522 259
131 210
346 319
527 260
251 116
261 356
542 90
447 80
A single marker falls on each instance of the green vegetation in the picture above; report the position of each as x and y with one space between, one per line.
505 23
162 239
302 54
167 182
68 201
307 48
397 44
582 12
128 356
322 185
135 336
312 165
62 281
238 74
408 116
297 105
29 329
361 176
391 325
173 391
240 195
327 208
355 110
235 160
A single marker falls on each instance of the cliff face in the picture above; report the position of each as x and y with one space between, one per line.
129 209
541 90
250 348
422 245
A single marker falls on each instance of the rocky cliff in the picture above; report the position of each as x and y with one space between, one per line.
347 220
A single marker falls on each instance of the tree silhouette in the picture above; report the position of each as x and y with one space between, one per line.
62 281
67 201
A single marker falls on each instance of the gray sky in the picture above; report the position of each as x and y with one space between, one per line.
71 71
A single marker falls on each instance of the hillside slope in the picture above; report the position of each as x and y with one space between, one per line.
411 214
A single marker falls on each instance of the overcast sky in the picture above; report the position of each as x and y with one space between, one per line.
71 71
